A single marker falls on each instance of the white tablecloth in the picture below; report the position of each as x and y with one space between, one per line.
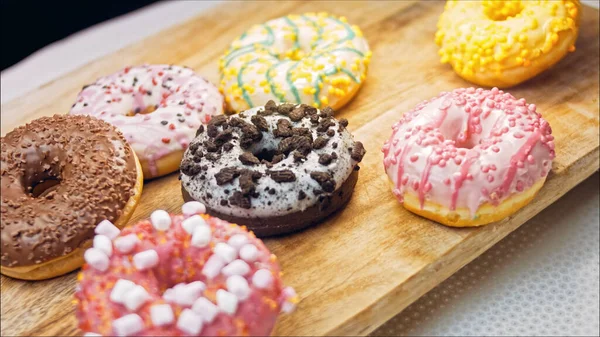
543 279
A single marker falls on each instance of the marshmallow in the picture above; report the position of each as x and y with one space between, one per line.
91 334
136 297
161 220
186 294
189 322
225 251
237 267
201 236
249 253
125 244
192 222
205 308
107 228
103 243
161 314
237 241
97 259
120 289
146 259
262 278
238 286
227 301
213 266
193 207
128 325
290 300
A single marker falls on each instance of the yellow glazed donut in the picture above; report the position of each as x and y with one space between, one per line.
315 59
503 43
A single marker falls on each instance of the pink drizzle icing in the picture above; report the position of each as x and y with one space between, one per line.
182 99
468 147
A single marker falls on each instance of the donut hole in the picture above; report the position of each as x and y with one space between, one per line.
142 111
265 154
43 187
501 10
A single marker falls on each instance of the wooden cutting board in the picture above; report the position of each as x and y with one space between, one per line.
369 261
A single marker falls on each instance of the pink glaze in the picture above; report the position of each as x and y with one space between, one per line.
182 99
180 261
468 147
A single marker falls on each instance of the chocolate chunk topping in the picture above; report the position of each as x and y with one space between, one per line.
270 108
282 176
297 113
200 130
214 123
301 195
320 142
198 156
330 133
325 124
301 143
223 137
285 108
227 147
189 168
299 156
327 112
343 122
325 159
238 199
226 175
260 122
324 179
284 128
358 152
212 156
247 158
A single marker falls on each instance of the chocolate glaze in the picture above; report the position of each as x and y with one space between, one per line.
277 225
96 172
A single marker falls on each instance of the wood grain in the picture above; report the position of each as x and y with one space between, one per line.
369 261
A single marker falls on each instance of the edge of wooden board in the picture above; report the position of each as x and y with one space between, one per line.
386 307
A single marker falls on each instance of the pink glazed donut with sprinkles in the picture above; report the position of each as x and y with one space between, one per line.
180 275
158 108
469 157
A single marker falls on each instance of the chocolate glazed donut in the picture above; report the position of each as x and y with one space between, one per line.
275 169
61 176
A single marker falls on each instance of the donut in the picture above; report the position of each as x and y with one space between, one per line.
275 169
316 59
181 275
469 157
61 176
503 43
157 107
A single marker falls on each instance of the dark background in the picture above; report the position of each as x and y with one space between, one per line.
28 25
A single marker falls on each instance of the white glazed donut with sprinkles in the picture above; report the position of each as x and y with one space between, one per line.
469 157
157 107
176 275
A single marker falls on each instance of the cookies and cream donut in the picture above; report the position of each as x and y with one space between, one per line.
469 157
499 43
157 107
180 275
274 169
316 59
61 176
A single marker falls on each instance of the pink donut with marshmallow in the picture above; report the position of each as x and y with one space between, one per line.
180 275
469 157
157 107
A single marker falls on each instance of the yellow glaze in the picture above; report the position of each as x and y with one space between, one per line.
502 43
314 58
